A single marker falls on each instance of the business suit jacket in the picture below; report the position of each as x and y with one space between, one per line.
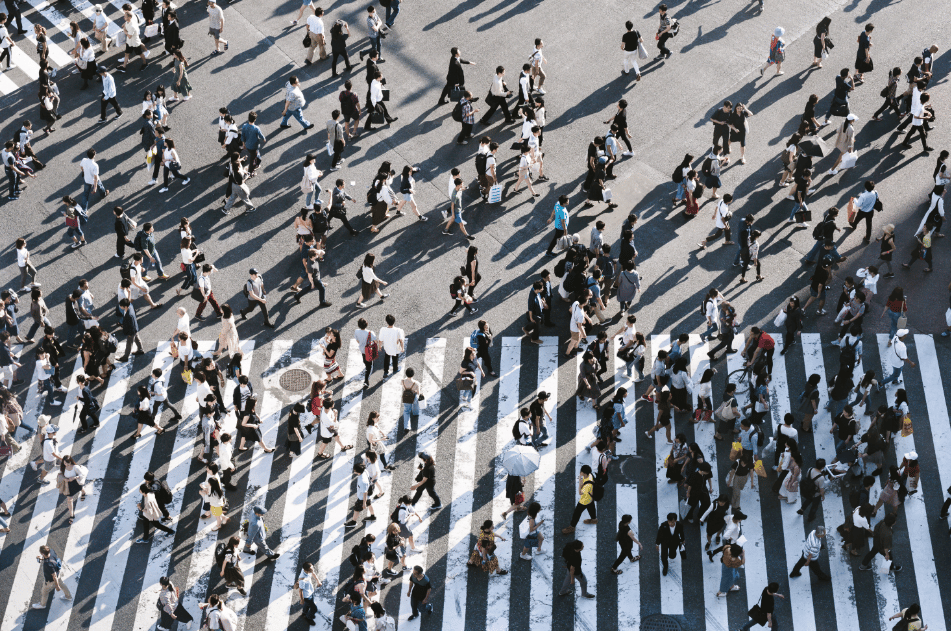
668 540
130 325
535 306
456 75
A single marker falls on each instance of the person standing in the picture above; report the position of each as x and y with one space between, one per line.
498 93
374 32
130 327
52 577
315 32
294 104
393 340
762 613
256 534
455 77
216 26
629 43
536 308
810 555
664 33
572 556
670 536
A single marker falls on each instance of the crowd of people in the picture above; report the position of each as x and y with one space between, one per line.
586 280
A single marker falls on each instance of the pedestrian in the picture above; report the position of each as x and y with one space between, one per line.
336 141
934 216
420 589
467 116
216 26
529 531
739 125
670 537
256 534
498 93
630 42
777 52
426 481
455 76
393 340
810 555
338 210
74 478
910 618
172 608
889 93
370 281
455 208
150 515
375 102
897 357
408 190
52 577
753 259
716 522
315 33
171 163
840 97
863 57
821 43
294 104
339 33
882 544
256 295
664 32
572 556
208 296
919 122
90 170
239 178
586 502
734 557
762 613
329 430
133 43
812 488
844 141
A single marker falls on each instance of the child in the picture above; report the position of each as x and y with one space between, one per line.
160 111
222 124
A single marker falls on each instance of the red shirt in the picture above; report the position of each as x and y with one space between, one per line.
766 342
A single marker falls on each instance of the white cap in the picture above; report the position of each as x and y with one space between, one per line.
779 32
911 455
851 117
50 429
901 333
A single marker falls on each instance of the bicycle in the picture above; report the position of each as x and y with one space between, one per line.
743 378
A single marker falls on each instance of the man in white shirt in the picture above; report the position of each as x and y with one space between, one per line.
524 427
108 95
90 168
393 340
363 501
315 28
26 267
537 59
897 355
711 308
721 217
305 589
919 114
498 92
159 395
376 101
578 320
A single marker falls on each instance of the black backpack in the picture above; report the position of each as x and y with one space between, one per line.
597 492
854 498
707 166
111 344
355 556
847 356
703 308
481 162
372 195
125 271
457 114
678 175
221 550
395 516
818 233
560 268
516 434
164 493
318 221
807 486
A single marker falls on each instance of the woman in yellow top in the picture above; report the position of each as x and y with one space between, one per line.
911 617
585 502
484 554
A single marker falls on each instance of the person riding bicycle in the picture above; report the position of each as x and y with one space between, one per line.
760 345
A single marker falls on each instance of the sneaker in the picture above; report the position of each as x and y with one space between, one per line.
38 606
865 567
350 524
164 189
143 540
896 567
151 182
370 518
525 557
435 507
187 180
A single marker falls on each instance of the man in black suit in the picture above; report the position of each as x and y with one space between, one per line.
456 76
372 69
130 326
90 406
13 13
670 536
170 28
535 313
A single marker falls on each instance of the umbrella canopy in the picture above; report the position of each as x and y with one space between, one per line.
815 147
521 460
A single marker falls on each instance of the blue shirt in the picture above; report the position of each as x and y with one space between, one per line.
252 136
561 217
866 201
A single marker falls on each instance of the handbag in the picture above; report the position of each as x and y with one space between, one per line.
735 450
187 375
520 498
464 383
606 195
175 166
849 160
307 41
372 350
850 209
641 51
151 30
825 55
457 92
804 215
386 94
903 319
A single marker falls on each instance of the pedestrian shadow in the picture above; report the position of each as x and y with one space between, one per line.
716 33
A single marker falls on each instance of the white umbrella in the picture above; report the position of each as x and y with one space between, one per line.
521 460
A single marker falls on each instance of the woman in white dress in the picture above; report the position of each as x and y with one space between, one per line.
789 490
228 337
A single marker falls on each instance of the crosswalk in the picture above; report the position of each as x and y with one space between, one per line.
115 582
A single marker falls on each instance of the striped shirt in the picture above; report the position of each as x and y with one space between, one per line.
812 546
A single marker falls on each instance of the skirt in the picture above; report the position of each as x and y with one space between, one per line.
234 575
861 65
330 365
73 487
679 398
378 212
588 393
369 289
487 566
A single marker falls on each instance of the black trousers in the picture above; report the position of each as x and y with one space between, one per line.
498 102
367 369
662 43
445 92
381 108
726 342
318 285
346 60
559 233
626 553
814 502
115 105
466 133
484 355
581 508
342 216
922 133
890 102
667 552
147 526
533 329
813 567
254 304
430 488
338 153
88 413
388 360
721 132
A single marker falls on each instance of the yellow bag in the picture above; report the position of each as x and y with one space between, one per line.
187 376
906 428
736 450
150 156
667 460
760 469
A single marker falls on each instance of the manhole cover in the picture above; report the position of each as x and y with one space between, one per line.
659 622
295 380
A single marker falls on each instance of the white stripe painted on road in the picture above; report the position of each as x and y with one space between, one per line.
58 56
937 406
919 539
77 542
628 444
426 438
586 423
500 587
543 564
628 583
44 507
338 489
461 508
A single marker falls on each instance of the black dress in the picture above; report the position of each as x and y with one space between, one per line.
862 64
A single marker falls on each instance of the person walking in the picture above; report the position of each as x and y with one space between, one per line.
863 57
240 189
572 556
468 118
393 340
498 95
455 76
821 42
810 555
630 42
762 613
339 33
455 211
172 609
257 297
130 327
664 33
256 534
171 163
370 282
149 514
336 140
376 103
306 586
732 560
338 206
670 537
52 577
426 481
625 538
208 296
252 138
350 109
777 52
294 104
216 26
910 618
585 501
897 358
315 33
420 589
90 170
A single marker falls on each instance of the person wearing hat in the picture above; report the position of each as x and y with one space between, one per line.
257 297
844 141
50 456
777 52
257 532
897 357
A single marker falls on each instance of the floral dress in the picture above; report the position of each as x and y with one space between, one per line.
490 565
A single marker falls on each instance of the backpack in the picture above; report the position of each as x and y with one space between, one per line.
354 557
372 195
818 233
847 356
164 493
707 166
597 492
481 162
457 113
807 486
319 222
125 271
703 308
221 551
111 344
560 268
474 338
139 242
516 434
395 516
678 175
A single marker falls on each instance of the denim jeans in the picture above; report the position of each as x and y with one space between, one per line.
893 329
36 327
835 405
796 208
298 114
540 436
376 43
392 11
410 409
894 377
87 189
728 576
191 276
815 250
157 264
309 199
713 328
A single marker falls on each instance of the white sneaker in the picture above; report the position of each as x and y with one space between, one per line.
38 606
33 464
526 557
151 182
164 189
540 90
187 180
12 66
628 153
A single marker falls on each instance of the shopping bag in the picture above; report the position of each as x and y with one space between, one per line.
607 195
151 30
523 528
848 160
906 427
851 209
947 317
736 450
780 319
760 469
495 194
330 149
684 508
641 51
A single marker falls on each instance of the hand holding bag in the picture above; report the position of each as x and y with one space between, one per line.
903 319
780 319
641 51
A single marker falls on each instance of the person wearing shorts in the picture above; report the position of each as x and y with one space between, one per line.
350 108
216 25
50 454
